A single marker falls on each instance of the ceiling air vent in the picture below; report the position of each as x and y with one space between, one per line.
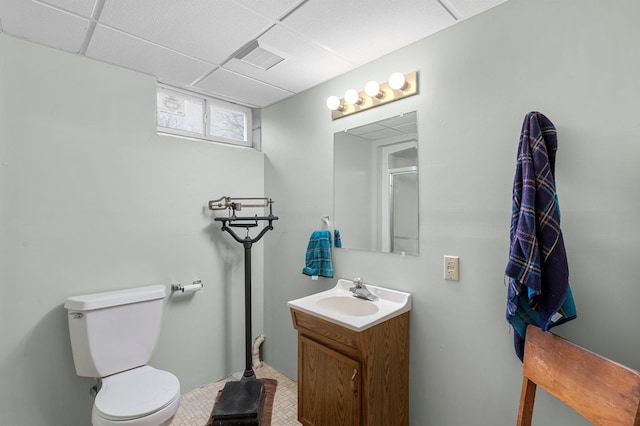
257 56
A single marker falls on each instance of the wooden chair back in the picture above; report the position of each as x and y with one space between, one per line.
600 390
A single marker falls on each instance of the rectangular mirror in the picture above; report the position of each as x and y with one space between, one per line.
376 186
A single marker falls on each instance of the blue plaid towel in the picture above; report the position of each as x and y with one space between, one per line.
318 256
538 272
337 239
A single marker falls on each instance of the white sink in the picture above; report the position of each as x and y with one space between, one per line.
339 306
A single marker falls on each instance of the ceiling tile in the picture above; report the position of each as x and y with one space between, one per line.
363 30
400 121
468 8
304 65
180 42
43 24
81 7
273 9
367 128
206 29
384 133
399 125
121 49
242 89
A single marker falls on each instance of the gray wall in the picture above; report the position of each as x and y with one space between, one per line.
93 200
354 168
577 63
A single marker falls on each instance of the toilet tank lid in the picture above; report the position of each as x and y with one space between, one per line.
106 299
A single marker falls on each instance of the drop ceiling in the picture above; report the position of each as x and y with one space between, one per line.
203 45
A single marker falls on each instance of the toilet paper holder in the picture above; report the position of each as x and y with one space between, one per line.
189 288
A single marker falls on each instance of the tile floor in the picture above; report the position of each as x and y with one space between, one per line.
195 406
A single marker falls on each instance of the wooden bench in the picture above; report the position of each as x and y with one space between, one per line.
602 391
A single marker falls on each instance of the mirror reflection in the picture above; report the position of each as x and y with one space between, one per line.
376 186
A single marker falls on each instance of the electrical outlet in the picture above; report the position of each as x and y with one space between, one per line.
452 268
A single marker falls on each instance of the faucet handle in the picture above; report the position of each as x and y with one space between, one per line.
358 282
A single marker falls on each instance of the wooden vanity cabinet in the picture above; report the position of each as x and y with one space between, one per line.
352 378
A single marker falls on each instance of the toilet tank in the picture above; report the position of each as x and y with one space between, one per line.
114 331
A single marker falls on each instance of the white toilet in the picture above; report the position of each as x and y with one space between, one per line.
113 335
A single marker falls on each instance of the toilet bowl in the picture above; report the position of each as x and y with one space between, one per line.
113 335
143 396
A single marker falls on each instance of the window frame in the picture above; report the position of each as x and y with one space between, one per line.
207 102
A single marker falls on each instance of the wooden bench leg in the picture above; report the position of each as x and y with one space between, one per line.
527 399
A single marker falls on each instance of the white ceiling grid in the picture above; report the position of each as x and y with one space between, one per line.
191 44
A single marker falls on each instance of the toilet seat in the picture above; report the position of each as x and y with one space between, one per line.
136 393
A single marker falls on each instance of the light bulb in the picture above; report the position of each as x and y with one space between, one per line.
333 103
397 81
372 89
352 96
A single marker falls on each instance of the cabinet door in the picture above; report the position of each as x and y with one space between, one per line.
328 386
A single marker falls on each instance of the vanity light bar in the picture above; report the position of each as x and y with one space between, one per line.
398 87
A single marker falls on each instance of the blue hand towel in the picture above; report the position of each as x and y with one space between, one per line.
337 239
538 272
318 256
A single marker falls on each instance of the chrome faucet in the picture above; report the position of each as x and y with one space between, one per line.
360 290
